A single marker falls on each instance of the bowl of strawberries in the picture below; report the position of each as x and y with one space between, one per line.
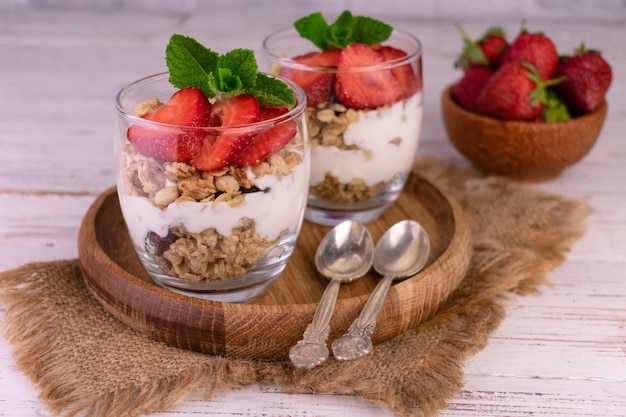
522 111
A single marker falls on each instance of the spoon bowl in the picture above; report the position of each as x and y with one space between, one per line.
345 253
401 252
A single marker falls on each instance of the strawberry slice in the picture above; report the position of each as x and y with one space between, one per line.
219 151
186 107
403 73
238 110
268 141
316 83
362 89
271 112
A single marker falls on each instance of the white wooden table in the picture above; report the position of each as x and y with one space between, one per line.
560 353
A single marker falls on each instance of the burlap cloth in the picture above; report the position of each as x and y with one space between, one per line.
82 360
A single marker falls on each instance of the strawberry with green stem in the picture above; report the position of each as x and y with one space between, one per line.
534 48
515 92
486 51
588 77
466 90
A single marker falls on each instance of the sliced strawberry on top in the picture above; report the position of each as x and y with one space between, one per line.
271 112
317 82
237 110
362 88
219 151
403 73
187 107
268 141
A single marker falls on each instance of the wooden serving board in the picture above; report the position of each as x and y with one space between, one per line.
268 326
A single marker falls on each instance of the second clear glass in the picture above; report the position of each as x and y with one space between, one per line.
360 157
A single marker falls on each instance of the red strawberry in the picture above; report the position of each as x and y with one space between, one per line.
219 151
271 112
268 141
316 83
588 77
362 89
514 92
485 51
466 90
403 73
535 48
238 110
493 44
186 107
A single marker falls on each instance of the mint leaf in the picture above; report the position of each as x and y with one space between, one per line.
224 81
272 92
242 64
313 28
370 31
339 34
235 72
189 63
346 30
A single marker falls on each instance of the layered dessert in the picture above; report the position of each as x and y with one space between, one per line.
364 104
213 180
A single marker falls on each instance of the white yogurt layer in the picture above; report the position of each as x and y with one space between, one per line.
278 209
380 156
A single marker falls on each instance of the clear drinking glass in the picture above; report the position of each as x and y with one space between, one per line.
360 157
223 235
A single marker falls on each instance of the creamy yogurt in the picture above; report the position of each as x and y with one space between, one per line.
277 209
380 156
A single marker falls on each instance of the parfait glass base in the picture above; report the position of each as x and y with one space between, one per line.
328 213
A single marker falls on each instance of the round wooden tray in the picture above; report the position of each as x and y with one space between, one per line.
268 326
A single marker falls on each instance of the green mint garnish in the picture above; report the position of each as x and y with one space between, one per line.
346 30
236 72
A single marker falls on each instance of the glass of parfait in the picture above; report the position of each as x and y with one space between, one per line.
212 184
363 82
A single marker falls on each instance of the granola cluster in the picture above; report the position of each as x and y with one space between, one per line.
208 255
327 124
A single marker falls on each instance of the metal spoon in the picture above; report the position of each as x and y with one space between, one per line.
344 254
401 252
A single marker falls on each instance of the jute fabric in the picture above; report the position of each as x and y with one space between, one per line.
83 361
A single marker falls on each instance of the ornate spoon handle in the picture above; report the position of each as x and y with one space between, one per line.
357 341
312 350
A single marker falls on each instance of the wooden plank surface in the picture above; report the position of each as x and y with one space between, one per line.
561 353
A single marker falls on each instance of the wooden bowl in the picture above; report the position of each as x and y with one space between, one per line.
268 326
522 151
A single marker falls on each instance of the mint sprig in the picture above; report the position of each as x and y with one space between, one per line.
346 30
236 72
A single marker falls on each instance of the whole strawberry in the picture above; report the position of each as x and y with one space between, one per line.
485 51
514 92
588 77
534 48
466 90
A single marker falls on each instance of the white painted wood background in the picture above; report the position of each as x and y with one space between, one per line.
561 353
